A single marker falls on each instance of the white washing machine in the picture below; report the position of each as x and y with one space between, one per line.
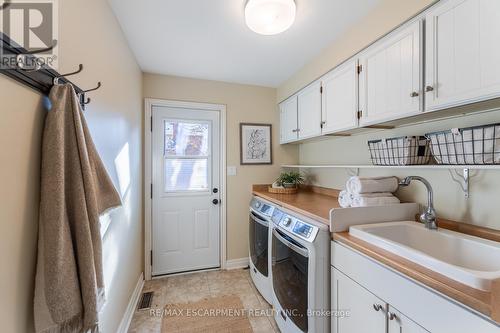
300 273
260 219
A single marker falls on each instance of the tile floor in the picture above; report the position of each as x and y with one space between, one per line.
194 287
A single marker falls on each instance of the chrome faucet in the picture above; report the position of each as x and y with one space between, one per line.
428 218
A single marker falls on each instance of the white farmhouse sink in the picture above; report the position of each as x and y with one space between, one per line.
470 260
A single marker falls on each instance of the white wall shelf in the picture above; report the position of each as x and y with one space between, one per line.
368 166
462 178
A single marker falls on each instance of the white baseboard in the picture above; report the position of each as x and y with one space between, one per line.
132 305
237 263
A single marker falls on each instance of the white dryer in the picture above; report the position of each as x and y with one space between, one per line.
300 273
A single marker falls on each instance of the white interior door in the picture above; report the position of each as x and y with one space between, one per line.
186 196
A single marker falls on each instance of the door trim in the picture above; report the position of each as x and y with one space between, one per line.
149 104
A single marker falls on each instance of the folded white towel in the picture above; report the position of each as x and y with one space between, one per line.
373 201
345 199
372 195
357 185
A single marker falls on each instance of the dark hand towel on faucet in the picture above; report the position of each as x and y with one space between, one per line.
75 190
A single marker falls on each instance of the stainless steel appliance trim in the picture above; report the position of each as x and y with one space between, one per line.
302 251
257 218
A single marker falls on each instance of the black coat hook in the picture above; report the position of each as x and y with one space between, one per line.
5 4
81 98
98 86
56 79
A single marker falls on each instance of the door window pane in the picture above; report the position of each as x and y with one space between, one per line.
186 175
186 139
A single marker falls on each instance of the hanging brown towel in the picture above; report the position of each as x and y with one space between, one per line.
75 190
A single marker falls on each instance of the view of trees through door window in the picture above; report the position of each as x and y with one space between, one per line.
187 155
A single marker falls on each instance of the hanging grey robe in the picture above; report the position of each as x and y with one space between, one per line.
75 190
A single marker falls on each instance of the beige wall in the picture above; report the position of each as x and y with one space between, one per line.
382 19
89 34
450 202
244 104
480 209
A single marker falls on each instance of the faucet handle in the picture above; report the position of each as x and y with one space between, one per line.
429 218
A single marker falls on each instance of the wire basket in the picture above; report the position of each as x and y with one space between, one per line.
404 150
471 145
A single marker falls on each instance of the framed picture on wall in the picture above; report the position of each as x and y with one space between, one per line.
256 144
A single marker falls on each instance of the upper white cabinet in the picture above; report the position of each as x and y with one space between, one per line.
391 76
309 111
288 120
340 98
462 53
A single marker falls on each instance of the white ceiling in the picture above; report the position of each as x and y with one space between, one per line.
208 39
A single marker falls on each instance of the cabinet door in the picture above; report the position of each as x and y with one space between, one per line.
462 52
288 120
309 101
391 76
339 104
366 312
399 323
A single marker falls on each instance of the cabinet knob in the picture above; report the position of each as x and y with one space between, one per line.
429 88
414 94
377 307
391 315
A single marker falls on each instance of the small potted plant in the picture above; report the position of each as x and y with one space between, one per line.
290 179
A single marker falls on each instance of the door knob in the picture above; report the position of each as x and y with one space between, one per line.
377 307
414 94
215 190
215 201
429 88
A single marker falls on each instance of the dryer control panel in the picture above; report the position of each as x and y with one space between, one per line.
299 228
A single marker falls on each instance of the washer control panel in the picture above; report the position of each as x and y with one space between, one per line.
262 207
299 228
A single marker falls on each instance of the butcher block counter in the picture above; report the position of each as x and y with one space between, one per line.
311 201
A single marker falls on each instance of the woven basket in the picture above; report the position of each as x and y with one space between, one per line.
292 190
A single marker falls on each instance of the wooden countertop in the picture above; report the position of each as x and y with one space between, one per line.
485 302
311 201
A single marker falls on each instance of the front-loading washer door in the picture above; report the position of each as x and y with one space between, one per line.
258 241
290 266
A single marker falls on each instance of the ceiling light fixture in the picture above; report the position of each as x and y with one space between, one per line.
269 17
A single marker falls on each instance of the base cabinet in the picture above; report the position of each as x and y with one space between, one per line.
399 323
358 310
361 286
364 312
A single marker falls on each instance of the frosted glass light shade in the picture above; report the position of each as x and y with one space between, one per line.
270 17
